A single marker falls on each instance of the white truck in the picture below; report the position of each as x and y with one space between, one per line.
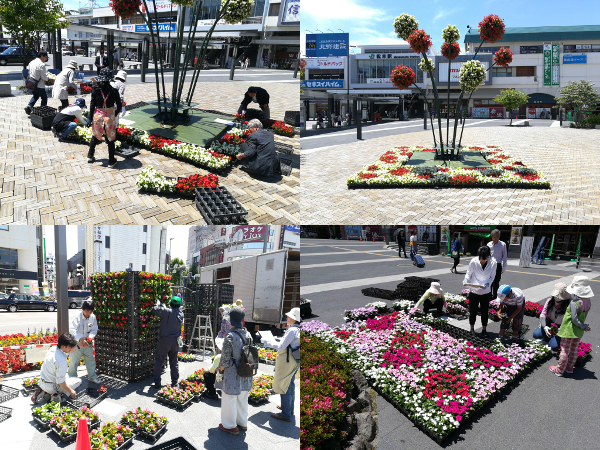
268 284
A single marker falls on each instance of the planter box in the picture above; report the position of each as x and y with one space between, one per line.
170 402
73 437
5 413
7 393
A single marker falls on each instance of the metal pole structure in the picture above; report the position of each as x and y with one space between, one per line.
359 119
144 56
297 66
425 113
60 260
560 115
170 244
266 238
232 71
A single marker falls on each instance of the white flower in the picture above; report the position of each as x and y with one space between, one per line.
404 25
472 75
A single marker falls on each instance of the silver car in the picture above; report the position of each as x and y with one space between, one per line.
76 298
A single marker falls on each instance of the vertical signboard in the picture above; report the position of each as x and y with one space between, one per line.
555 65
526 249
547 63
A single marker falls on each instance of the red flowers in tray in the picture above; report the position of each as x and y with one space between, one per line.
158 142
233 139
187 185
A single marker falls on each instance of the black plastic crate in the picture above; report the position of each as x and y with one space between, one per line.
43 123
284 148
90 398
177 405
44 111
5 413
286 166
126 152
219 207
179 443
7 393
292 118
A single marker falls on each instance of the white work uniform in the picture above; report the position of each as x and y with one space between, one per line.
54 372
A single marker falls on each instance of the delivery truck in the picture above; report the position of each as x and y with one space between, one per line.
268 285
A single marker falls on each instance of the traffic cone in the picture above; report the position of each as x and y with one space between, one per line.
83 436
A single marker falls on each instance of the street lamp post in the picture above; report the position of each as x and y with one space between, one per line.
170 243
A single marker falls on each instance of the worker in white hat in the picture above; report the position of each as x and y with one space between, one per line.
119 85
287 364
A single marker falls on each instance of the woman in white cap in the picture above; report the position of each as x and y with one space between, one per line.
553 312
432 298
225 326
119 85
286 365
572 328
63 81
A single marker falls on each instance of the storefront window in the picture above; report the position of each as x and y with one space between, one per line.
8 258
382 68
502 72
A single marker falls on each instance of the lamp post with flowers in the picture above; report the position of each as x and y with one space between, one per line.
472 74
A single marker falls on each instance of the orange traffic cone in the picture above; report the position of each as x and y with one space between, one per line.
83 436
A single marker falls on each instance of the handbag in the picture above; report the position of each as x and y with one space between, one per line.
31 85
454 252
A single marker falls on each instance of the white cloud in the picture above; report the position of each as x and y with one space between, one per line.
340 10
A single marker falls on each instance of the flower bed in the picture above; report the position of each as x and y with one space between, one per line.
389 171
276 126
44 414
324 382
111 436
175 396
191 153
151 181
436 380
65 424
13 360
186 357
144 422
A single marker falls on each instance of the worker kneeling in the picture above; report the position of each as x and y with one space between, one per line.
168 341
259 149
53 376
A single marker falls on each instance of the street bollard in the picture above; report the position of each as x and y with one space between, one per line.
425 113
560 116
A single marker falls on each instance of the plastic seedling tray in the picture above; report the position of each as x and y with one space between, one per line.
284 148
7 393
258 401
141 433
5 413
170 402
286 166
41 423
29 389
73 437
127 153
90 399
219 207
179 443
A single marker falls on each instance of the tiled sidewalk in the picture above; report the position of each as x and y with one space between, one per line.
569 158
43 181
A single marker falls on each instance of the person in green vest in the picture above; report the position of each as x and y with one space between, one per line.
573 326
432 298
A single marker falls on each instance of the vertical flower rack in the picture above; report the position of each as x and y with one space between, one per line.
127 330
206 299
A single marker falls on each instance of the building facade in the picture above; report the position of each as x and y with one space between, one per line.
21 259
117 247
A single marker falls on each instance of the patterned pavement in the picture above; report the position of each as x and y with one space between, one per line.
43 181
569 158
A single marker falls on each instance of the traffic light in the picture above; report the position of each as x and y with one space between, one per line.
79 270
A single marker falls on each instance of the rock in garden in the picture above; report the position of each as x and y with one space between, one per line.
366 426
364 400
359 380
353 406
331 444
357 444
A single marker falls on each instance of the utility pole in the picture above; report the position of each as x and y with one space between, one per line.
62 300
266 238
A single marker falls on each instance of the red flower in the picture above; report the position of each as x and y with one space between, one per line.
389 158
125 8
491 28
187 185
373 167
450 51
366 176
503 57
399 171
463 179
403 77
528 176
419 41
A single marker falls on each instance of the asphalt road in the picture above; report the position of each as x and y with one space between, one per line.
543 412
19 322
317 140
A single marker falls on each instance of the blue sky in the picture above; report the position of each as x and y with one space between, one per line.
372 21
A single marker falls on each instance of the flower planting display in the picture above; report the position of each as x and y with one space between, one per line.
325 380
110 436
503 57
125 8
533 309
237 10
436 380
144 420
30 383
419 41
583 352
198 375
174 395
267 354
402 77
48 411
450 50
189 152
491 28
186 357
65 424
196 388
13 360
152 181
261 388
504 171
405 25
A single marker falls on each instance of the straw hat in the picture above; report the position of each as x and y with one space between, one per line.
239 302
73 65
435 288
560 291
580 287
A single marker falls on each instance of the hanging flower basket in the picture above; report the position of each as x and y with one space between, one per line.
450 51
403 77
125 8
472 75
503 57
404 25
491 28
419 41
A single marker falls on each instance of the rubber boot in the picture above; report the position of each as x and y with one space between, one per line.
91 151
111 154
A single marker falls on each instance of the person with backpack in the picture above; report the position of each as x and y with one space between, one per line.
171 320
286 365
239 363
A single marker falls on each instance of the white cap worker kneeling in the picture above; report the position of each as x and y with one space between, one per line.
53 377
432 298
84 326
286 364
512 303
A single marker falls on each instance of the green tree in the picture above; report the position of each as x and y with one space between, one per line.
193 271
581 95
27 20
176 274
511 99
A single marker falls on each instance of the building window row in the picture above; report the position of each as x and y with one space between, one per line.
382 68
9 258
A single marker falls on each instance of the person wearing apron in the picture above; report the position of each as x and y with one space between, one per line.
286 365
102 119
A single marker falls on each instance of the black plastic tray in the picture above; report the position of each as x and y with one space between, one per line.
284 148
127 152
7 393
43 123
179 443
258 402
29 390
5 413
73 437
286 166
219 207
90 399
292 118
177 405
144 434
41 423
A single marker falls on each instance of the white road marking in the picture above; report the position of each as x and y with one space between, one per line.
304 255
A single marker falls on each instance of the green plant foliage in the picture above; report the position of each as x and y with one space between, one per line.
511 99
580 95
237 10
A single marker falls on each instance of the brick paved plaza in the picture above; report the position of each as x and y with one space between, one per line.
43 181
569 158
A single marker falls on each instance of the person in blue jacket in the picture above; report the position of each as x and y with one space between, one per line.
168 345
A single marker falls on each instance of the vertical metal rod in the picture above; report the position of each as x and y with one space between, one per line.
62 299
232 71
359 119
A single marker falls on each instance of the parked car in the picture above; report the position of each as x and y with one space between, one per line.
80 51
3 47
2 295
13 55
67 53
76 298
26 302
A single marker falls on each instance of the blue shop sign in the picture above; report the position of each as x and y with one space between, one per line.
293 228
574 59
325 44
143 28
322 84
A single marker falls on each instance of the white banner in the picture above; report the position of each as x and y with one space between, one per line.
161 6
323 63
526 249
379 81
209 23
455 71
